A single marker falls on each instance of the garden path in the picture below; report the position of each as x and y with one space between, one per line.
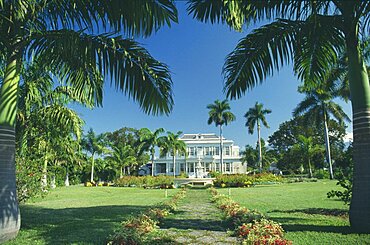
197 221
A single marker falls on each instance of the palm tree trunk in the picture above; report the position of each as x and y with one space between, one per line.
359 213
9 210
221 151
44 179
121 173
66 181
92 168
174 162
52 182
152 163
309 168
327 146
259 146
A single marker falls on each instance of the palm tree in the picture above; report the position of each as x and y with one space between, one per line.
256 115
306 148
220 114
171 144
318 105
95 145
150 141
309 34
64 36
122 156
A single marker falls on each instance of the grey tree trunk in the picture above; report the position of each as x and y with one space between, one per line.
327 147
259 145
221 152
9 211
153 163
92 168
44 179
66 181
359 212
121 173
52 182
174 165
309 168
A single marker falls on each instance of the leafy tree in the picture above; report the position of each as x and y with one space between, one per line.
256 115
95 145
65 37
150 141
309 34
250 156
317 106
220 114
171 144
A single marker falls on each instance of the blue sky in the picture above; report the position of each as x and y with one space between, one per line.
195 53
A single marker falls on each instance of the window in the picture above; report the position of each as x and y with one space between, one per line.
161 168
217 151
171 167
227 151
208 166
217 167
190 167
200 151
182 167
207 151
228 168
192 151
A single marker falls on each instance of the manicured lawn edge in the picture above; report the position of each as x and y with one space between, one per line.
250 225
143 228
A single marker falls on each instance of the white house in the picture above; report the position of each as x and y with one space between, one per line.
203 156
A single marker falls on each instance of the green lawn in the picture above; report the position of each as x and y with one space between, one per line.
303 209
81 215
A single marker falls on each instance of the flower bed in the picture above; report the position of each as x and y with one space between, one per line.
143 228
164 182
250 225
244 180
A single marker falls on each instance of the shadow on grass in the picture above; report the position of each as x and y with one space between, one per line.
343 213
319 228
194 224
85 225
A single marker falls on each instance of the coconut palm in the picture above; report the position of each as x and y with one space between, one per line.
317 106
122 156
256 116
66 37
309 34
220 114
95 145
306 148
171 144
149 141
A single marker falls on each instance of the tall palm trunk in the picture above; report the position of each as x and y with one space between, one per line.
259 145
359 213
221 151
9 210
92 168
66 181
174 165
152 161
327 146
44 179
309 168
121 172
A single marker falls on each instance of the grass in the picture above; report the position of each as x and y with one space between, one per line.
303 209
81 215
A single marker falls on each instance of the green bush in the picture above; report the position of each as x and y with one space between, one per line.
145 181
321 174
244 180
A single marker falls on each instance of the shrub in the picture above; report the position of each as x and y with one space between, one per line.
262 232
244 180
145 181
321 174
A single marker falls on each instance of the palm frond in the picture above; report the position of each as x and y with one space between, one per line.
258 54
76 57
